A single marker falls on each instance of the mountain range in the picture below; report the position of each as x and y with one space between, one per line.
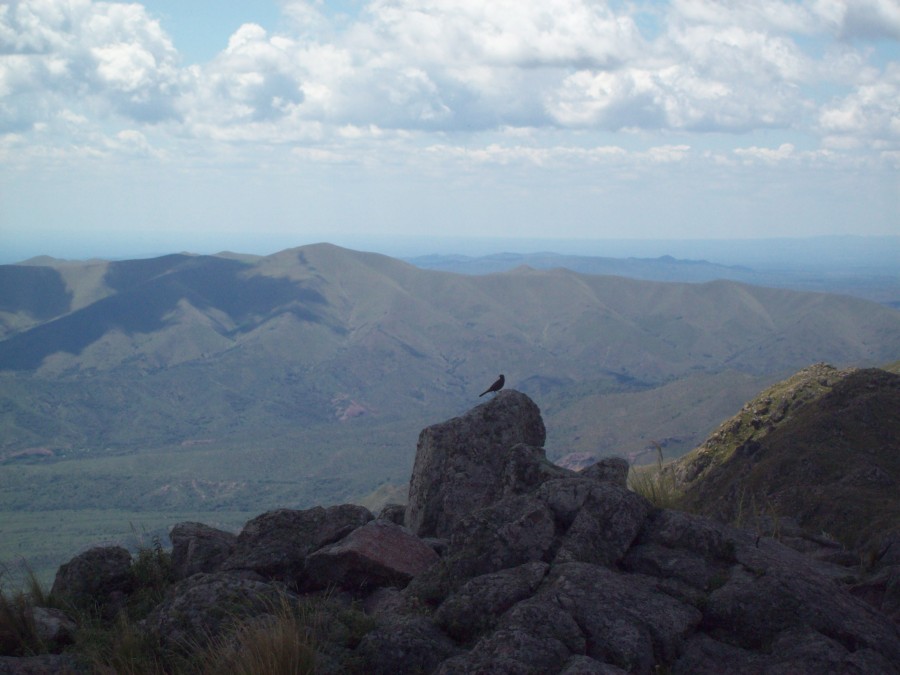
322 335
184 385
873 280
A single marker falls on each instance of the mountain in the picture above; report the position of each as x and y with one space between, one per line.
821 449
197 347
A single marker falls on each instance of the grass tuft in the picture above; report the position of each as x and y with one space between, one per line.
655 483
18 633
280 643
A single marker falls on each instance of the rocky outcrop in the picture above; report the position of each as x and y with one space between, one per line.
472 449
100 577
276 544
574 573
537 569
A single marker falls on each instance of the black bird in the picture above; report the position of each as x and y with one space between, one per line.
497 386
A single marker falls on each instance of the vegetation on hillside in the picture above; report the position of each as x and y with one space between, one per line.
823 447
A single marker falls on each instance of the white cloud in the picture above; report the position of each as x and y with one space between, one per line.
456 67
108 55
870 114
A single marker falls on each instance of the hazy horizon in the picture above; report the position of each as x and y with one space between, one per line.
872 255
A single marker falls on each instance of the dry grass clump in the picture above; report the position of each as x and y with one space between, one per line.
655 482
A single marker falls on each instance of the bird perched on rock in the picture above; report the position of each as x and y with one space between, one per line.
497 386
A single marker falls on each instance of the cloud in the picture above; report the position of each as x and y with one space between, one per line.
870 114
101 55
457 67
861 19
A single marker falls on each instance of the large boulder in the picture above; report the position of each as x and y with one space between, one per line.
276 544
203 606
404 643
100 576
379 553
603 518
477 605
460 463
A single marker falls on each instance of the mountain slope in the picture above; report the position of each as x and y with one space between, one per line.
822 447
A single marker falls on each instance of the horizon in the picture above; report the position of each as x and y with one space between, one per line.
127 129
873 254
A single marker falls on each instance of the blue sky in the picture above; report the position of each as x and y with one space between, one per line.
136 129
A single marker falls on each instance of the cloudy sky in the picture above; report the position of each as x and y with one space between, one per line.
132 129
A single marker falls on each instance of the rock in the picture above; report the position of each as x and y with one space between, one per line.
540 570
401 644
773 593
100 576
882 591
475 607
703 536
459 463
527 467
387 600
607 522
44 664
533 637
379 553
608 470
514 531
52 625
798 653
201 607
277 543
585 665
667 563
199 548
625 621
396 513
705 656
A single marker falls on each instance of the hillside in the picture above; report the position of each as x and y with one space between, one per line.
821 448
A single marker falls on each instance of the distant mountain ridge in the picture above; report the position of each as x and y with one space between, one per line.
662 268
852 279
395 338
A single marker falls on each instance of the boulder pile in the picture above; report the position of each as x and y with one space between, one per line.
502 562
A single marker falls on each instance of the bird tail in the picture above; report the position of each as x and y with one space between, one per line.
483 393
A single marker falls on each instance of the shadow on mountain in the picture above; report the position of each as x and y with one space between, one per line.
148 291
38 291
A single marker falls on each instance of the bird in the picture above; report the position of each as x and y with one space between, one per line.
497 386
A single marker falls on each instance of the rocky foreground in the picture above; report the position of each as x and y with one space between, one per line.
505 563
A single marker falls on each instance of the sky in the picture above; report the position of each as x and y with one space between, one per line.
137 129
